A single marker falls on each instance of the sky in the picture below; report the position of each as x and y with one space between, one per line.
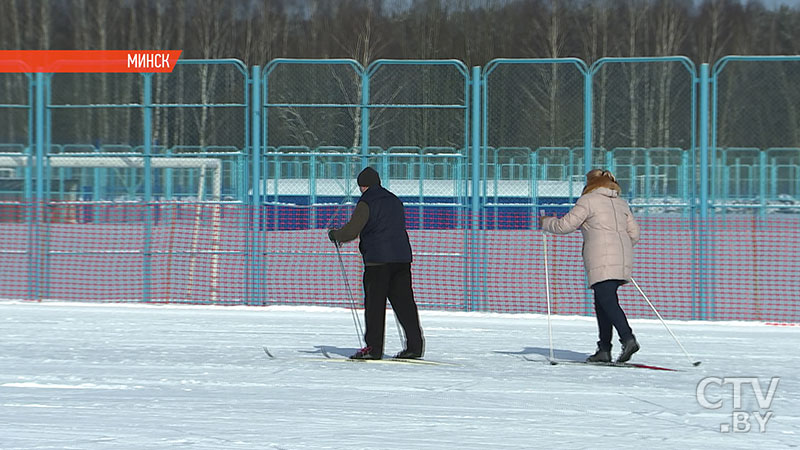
132 376
778 3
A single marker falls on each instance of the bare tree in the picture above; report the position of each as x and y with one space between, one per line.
100 15
712 33
82 41
212 26
595 38
45 23
264 28
671 31
129 87
636 12
14 87
555 44
12 22
364 49
169 124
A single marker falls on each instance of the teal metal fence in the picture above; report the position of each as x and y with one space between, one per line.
755 111
541 120
516 136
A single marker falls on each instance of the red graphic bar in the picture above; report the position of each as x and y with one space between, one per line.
88 61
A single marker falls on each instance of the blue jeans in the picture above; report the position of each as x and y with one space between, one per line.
609 313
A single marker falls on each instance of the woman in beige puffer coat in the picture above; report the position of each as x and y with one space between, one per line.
609 234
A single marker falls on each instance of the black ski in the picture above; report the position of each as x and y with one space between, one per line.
421 362
328 358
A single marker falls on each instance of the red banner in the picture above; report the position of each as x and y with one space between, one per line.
88 61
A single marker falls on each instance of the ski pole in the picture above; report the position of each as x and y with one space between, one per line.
353 313
357 322
335 213
547 291
399 330
691 360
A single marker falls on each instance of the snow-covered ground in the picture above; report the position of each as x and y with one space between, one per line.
102 376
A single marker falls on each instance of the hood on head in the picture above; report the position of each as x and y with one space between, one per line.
597 179
368 178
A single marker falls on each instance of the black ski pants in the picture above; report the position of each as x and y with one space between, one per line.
609 313
392 281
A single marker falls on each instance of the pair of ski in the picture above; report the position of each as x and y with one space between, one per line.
557 362
327 357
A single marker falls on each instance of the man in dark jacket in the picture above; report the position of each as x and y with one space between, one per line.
379 218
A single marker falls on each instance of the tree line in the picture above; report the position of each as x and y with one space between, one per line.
473 31
647 108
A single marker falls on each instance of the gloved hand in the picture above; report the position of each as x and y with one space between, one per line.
542 217
332 238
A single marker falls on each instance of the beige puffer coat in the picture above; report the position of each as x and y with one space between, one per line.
608 227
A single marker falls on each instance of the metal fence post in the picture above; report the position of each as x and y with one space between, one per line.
704 167
474 243
31 140
762 182
587 121
37 261
251 272
147 268
365 121
148 136
701 278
